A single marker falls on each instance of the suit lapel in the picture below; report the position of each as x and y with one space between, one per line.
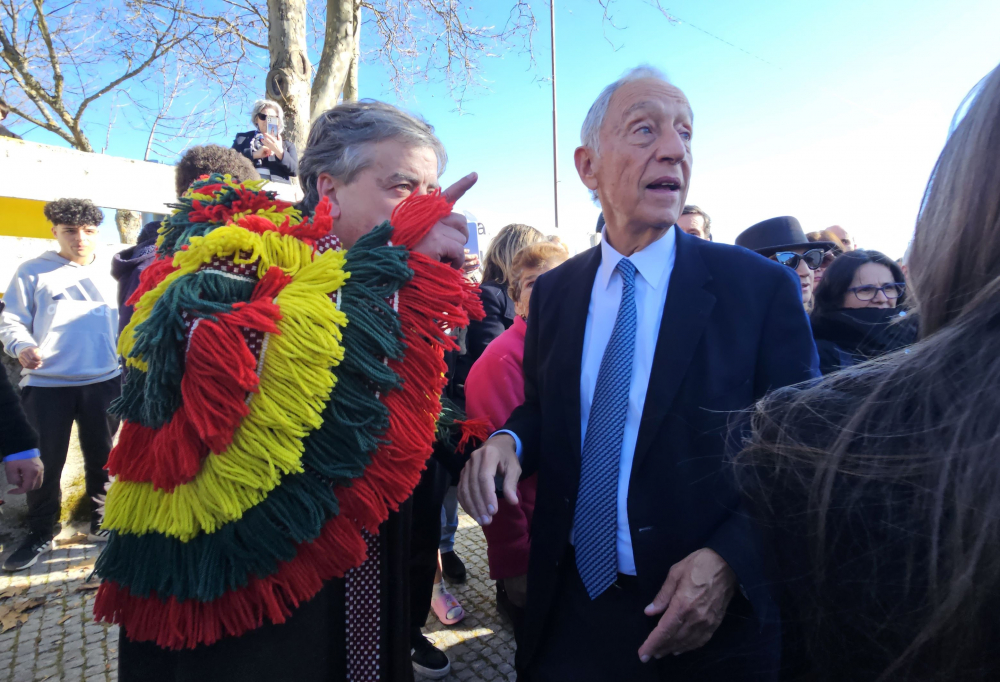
573 326
685 315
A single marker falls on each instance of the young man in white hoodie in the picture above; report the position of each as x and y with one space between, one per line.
61 322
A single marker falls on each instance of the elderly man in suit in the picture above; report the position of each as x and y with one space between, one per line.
637 353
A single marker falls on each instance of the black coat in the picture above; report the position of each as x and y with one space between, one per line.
274 168
127 267
849 336
16 434
499 309
733 328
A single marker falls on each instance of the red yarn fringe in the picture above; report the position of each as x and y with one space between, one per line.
436 299
219 373
150 277
174 624
474 431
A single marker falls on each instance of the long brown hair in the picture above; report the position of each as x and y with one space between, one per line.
889 472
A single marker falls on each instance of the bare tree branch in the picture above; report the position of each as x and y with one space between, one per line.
62 61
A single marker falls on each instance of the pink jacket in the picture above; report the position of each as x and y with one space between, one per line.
495 387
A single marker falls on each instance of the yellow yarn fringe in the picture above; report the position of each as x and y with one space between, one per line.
270 248
295 384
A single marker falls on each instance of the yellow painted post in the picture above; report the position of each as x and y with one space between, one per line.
23 218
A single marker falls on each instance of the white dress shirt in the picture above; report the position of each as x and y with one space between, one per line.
653 266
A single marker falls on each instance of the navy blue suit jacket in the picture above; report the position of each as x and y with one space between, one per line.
733 328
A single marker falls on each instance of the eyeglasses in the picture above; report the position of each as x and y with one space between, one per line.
812 257
868 292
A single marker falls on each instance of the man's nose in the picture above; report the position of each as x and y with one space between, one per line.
802 269
671 147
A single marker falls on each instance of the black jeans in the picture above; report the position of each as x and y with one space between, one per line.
52 411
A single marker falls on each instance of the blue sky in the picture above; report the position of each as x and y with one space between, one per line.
833 112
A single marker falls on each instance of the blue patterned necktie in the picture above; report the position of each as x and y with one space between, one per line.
596 517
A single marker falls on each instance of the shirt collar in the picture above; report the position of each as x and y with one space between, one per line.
650 262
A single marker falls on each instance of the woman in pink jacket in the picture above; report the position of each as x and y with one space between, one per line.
495 387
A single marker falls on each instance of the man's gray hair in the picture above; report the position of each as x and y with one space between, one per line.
262 104
341 140
590 134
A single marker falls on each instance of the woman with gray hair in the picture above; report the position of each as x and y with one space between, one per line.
274 157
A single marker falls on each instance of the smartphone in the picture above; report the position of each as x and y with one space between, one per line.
272 126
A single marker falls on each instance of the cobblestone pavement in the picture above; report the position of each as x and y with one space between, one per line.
52 635
481 647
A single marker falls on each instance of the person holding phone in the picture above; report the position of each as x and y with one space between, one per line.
274 157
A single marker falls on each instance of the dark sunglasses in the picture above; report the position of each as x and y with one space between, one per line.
261 117
868 292
812 257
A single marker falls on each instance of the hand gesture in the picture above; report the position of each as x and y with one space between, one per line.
30 357
273 144
477 487
26 474
471 264
262 152
693 601
446 240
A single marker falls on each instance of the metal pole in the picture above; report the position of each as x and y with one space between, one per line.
555 134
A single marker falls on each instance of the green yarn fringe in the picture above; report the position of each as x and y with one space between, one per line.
354 421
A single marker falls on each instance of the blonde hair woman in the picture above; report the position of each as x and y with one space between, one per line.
274 157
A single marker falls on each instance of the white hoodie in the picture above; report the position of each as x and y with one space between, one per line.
67 310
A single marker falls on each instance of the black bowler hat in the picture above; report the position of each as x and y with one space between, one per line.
777 234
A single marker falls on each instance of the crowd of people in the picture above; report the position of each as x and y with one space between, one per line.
695 461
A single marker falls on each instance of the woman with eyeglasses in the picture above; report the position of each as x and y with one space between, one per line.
274 157
858 312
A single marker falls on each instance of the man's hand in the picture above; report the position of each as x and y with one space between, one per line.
30 358
446 240
273 145
26 474
517 590
470 265
693 601
477 487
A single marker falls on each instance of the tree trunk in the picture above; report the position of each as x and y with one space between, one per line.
351 85
288 80
129 225
342 16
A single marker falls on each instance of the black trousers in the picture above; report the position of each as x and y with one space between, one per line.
599 640
425 538
52 412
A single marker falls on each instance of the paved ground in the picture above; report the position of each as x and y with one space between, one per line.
481 647
48 632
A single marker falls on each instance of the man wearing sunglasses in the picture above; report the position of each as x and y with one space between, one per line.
782 240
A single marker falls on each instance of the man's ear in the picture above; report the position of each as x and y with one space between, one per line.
326 186
585 159
54 234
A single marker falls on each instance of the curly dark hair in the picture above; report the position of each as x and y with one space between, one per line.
211 158
73 212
